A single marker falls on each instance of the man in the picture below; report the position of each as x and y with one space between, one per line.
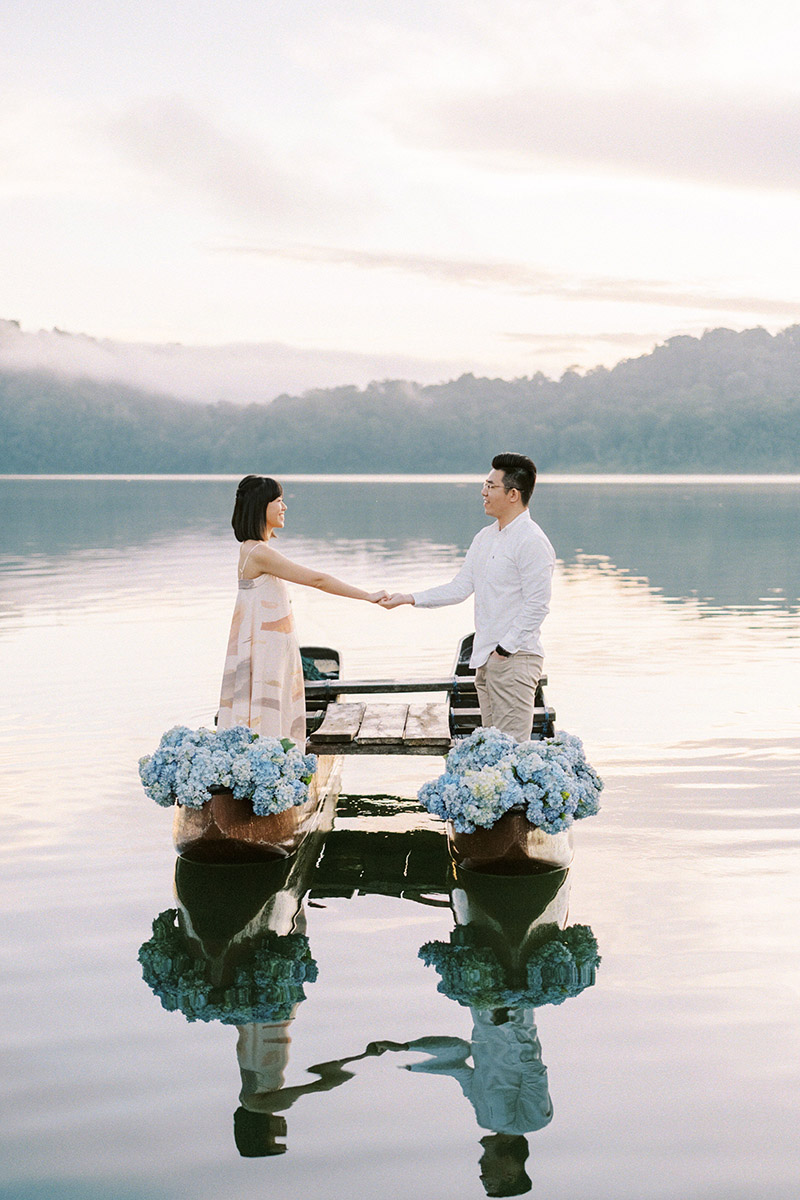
507 1083
509 568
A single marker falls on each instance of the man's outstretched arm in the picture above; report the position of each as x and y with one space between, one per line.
460 587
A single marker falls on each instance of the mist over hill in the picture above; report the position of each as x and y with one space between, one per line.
725 402
238 372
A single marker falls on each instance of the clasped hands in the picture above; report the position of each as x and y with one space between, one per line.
384 600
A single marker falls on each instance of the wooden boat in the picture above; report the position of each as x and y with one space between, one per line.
339 724
512 847
226 829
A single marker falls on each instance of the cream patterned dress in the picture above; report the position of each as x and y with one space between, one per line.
262 685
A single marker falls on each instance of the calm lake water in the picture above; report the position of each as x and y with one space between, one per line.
672 649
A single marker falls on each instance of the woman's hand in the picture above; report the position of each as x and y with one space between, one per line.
378 597
396 600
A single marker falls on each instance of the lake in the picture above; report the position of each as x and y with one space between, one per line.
672 650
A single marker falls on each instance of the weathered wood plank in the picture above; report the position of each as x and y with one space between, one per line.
383 724
322 689
375 748
427 724
474 713
341 724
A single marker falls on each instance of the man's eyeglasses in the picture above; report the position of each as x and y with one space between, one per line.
487 487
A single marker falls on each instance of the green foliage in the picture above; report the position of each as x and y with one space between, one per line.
724 402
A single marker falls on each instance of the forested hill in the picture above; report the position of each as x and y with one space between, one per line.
724 402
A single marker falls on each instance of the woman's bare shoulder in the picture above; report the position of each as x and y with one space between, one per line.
262 559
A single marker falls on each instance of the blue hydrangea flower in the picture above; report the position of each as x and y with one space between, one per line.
189 764
236 738
483 748
488 773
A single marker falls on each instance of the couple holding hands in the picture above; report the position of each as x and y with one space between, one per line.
508 568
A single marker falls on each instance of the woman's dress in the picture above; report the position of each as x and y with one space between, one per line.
262 685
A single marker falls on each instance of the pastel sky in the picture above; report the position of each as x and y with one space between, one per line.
497 186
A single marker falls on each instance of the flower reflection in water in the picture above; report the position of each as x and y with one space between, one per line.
236 951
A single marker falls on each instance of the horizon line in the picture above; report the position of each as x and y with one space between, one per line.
396 477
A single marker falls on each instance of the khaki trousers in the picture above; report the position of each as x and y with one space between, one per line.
506 690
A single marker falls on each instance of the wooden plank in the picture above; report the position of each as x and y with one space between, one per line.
383 725
346 749
321 689
474 713
466 720
325 689
340 725
427 724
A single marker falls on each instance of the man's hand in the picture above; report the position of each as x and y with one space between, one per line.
396 600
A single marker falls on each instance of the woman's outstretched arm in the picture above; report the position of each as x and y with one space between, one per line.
274 563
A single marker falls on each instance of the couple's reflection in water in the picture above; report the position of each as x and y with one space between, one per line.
236 950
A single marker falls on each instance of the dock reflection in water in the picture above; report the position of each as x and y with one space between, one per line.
237 950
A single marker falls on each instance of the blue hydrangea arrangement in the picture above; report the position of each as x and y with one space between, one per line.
472 974
191 763
488 773
265 987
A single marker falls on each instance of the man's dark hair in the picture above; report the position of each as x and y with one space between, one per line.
253 495
503 1164
518 472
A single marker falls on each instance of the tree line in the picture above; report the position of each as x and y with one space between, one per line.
724 402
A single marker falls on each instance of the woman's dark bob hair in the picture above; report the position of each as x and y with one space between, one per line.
253 494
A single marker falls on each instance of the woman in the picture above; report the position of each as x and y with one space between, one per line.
262 685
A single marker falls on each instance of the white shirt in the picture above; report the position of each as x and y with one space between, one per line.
507 1086
510 571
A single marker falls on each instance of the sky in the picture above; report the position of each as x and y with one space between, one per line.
411 190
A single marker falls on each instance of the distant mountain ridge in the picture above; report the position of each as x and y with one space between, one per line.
724 402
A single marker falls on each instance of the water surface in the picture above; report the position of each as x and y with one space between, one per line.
672 650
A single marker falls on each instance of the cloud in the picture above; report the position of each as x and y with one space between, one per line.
240 373
709 137
582 348
528 280
565 341
586 351
180 148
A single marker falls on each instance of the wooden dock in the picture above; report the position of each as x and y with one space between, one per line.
374 716
375 727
